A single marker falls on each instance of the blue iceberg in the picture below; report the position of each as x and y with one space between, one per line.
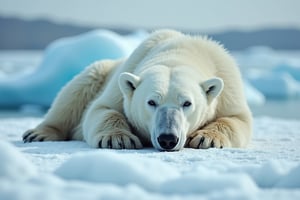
63 59
275 74
276 85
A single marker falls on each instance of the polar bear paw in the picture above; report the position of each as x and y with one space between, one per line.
42 134
204 139
119 140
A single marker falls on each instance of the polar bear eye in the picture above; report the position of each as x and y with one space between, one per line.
151 103
187 104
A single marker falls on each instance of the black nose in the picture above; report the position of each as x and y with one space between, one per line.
167 141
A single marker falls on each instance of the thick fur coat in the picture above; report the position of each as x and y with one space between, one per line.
174 91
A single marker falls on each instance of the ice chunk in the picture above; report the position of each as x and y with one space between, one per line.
276 74
63 59
293 70
276 85
254 97
258 57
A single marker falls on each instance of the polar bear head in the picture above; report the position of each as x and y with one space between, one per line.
166 104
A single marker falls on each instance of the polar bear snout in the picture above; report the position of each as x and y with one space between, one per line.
169 134
167 141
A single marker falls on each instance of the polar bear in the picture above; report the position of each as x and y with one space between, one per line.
174 91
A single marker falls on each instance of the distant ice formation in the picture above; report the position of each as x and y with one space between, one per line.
63 59
275 74
268 74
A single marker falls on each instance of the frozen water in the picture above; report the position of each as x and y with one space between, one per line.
269 168
63 59
293 70
276 74
254 97
276 85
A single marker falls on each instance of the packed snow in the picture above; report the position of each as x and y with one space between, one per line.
268 169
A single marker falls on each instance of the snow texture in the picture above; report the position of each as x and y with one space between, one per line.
268 169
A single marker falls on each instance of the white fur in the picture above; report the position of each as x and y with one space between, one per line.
169 69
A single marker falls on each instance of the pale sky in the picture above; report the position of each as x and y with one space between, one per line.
210 15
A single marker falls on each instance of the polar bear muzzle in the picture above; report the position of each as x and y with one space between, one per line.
168 133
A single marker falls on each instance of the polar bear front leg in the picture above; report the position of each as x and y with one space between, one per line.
223 132
108 128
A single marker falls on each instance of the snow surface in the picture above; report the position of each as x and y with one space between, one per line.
268 169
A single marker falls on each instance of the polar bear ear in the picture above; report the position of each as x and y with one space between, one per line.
213 88
128 83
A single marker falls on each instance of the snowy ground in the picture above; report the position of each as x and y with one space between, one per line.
268 169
